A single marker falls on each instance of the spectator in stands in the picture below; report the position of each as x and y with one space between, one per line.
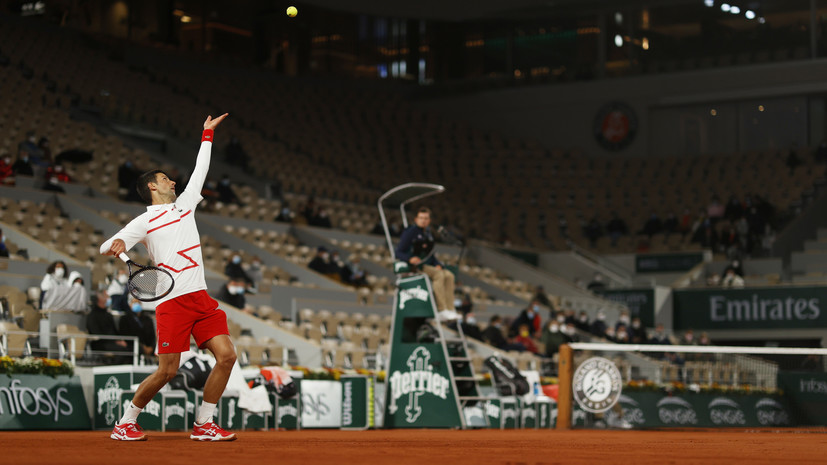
599 326
53 184
637 335
4 251
553 338
732 280
715 210
352 272
256 271
670 224
59 172
285 215
736 266
56 277
233 292
706 235
597 284
624 319
469 326
29 145
462 301
6 170
309 209
23 165
137 322
416 247
616 228
100 322
570 330
493 333
583 322
530 317
45 149
118 291
593 231
234 270
322 264
652 226
234 154
688 338
523 337
659 336
621 335
226 194
685 223
320 219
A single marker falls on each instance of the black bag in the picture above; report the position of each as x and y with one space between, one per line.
507 378
193 374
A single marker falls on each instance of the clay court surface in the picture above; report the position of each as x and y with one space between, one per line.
333 447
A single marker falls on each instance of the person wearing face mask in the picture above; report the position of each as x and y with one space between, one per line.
55 278
23 165
582 322
621 335
233 292
321 262
636 332
226 194
524 338
234 270
599 327
101 322
137 322
553 337
530 317
118 292
624 319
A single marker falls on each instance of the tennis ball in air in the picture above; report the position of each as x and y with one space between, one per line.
292 11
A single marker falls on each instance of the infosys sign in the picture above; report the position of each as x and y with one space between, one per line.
42 402
752 308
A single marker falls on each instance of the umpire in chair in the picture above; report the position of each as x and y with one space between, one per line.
416 247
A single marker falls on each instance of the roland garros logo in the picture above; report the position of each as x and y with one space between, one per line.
596 385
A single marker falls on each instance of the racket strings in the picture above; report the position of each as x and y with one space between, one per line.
149 283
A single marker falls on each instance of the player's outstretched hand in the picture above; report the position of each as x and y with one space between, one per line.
212 123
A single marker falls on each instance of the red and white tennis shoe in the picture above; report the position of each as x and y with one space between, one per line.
129 431
209 431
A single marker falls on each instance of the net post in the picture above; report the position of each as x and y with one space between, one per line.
564 394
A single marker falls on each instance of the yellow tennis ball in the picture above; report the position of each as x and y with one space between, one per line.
292 11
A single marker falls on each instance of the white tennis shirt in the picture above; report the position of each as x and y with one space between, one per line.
170 235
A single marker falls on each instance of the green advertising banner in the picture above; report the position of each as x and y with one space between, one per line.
641 302
667 263
109 383
807 393
166 411
42 402
357 402
689 409
751 308
420 392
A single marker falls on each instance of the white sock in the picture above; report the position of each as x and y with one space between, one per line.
205 413
131 414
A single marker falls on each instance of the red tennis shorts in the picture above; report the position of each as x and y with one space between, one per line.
195 313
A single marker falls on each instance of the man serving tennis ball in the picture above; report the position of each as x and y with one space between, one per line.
168 231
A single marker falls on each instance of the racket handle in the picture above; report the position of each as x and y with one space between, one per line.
123 257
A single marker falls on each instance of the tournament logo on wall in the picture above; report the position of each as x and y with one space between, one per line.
615 126
597 385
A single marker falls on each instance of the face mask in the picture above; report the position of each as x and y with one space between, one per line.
225 182
77 284
554 328
325 256
624 319
25 159
471 320
136 307
236 259
621 335
123 279
610 334
536 308
636 324
561 319
59 272
530 314
2 238
688 337
584 318
108 302
601 317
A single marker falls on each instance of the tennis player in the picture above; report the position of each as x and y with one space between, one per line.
168 231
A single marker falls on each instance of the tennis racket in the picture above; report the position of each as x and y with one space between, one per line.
147 283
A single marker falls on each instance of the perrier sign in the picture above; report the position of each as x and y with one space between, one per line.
419 392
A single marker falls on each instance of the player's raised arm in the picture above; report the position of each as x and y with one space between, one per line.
202 163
